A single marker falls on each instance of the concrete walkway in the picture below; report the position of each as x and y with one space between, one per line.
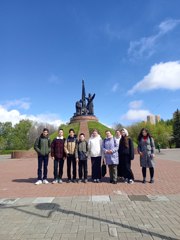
89 211
83 128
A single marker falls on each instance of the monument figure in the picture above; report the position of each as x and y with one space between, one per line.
78 108
83 99
83 108
90 105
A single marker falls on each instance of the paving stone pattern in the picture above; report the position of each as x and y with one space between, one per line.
83 218
91 211
17 178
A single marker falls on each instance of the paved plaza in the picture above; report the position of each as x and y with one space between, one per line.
91 211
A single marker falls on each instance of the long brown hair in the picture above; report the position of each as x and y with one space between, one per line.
125 141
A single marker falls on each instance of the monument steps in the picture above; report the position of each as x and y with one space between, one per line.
83 128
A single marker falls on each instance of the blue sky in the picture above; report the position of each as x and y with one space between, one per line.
128 53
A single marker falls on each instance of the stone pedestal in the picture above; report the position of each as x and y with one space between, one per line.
83 118
24 154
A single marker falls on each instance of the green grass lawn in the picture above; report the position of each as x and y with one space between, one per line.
91 125
100 127
66 128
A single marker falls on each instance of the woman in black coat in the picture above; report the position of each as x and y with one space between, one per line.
126 154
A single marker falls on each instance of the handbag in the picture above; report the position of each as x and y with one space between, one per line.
103 169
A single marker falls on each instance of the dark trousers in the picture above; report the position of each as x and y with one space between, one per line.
113 172
83 169
151 171
96 167
126 167
58 164
119 169
42 163
71 160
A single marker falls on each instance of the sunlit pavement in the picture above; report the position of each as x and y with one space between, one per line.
92 210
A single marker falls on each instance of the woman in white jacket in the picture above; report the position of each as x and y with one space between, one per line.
95 152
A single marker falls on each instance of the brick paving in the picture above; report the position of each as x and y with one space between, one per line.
17 177
89 211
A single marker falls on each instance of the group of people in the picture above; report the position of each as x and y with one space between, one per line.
116 151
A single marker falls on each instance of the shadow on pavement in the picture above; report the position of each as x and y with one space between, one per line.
25 180
54 207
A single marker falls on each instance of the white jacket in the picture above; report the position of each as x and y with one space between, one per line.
95 146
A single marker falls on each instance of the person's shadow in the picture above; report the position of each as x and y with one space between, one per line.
25 180
28 180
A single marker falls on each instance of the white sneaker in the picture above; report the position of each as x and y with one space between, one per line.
55 181
45 181
60 181
131 181
38 182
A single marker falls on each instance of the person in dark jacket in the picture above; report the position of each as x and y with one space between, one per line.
146 150
58 155
42 146
126 154
81 155
69 148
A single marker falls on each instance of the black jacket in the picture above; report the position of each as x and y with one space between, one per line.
123 150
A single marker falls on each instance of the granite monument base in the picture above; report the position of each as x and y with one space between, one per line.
83 118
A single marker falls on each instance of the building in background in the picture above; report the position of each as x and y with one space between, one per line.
153 119
157 118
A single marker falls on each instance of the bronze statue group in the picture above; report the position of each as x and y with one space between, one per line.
116 152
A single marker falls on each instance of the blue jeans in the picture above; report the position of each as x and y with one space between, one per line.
42 163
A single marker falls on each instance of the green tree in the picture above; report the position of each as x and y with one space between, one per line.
176 128
161 132
118 126
6 131
20 137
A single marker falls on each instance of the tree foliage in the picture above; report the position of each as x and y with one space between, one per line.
22 135
161 132
176 128
6 132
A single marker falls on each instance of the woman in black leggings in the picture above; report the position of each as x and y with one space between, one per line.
146 151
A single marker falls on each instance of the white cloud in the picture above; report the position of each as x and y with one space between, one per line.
168 25
115 87
15 116
136 115
135 104
161 76
145 47
113 34
54 79
23 103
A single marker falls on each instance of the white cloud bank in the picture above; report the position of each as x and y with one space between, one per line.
145 47
136 115
23 103
15 116
161 76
